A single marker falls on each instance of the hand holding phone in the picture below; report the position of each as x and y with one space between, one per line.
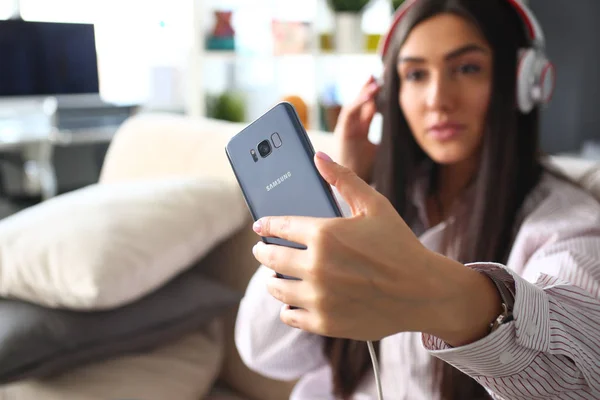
356 151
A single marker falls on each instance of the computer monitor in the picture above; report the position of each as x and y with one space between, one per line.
47 59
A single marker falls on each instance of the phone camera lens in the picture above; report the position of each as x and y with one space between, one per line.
264 148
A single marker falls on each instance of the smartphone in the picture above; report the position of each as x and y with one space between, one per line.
272 160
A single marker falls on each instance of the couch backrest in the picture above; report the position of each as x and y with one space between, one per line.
585 172
159 145
155 146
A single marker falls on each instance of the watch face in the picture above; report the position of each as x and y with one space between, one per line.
503 318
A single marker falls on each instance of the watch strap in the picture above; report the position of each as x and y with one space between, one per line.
508 301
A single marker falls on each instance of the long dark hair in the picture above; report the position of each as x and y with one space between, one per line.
509 169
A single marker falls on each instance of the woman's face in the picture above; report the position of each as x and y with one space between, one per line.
445 69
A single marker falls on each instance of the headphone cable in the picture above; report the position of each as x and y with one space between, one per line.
375 369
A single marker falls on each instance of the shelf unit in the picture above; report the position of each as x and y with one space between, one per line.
264 78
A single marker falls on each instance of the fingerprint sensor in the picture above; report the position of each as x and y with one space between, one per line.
276 140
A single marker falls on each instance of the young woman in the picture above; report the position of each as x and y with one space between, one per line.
476 268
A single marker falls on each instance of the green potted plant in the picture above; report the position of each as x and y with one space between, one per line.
396 4
351 6
226 106
348 35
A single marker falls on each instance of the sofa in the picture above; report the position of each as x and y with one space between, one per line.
170 146
163 145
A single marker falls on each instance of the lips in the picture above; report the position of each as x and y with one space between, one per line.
445 131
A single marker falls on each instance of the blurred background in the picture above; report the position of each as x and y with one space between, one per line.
71 71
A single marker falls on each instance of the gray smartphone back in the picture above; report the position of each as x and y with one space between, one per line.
284 180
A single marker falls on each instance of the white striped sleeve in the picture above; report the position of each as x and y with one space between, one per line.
552 348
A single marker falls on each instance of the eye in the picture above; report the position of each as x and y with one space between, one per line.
469 69
415 75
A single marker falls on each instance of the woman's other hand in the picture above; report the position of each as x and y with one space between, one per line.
355 150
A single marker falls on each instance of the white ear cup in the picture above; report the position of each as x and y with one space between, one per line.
535 80
526 81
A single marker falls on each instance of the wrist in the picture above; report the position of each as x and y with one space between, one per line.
470 303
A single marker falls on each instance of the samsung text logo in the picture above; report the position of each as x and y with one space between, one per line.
279 181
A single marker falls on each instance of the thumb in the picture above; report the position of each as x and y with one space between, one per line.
356 192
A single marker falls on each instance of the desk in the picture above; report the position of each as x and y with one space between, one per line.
36 149
32 127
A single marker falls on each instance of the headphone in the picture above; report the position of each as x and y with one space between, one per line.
536 77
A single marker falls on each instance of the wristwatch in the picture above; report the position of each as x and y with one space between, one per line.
507 295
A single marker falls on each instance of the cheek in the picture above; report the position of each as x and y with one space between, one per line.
479 101
409 105
477 104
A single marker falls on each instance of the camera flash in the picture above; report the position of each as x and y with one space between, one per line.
253 153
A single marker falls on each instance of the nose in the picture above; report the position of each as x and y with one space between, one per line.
440 93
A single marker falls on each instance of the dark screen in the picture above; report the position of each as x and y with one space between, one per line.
44 58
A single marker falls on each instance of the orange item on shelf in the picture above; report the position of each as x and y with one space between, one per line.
301 108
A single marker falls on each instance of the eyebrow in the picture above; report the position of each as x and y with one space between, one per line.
453 54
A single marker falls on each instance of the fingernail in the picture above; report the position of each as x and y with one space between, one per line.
255 248
373 86
257 226
324 156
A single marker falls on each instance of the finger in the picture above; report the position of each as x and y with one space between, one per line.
366 85
366 95
355 191
293 228
289 292
368 111
303 319
282 259
295 317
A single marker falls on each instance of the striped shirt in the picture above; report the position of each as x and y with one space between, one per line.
550 350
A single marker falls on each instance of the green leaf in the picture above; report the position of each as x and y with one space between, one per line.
355 6
397 3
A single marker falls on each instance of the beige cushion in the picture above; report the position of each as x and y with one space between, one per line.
184 370
591 181
104 246
585 172
154 146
